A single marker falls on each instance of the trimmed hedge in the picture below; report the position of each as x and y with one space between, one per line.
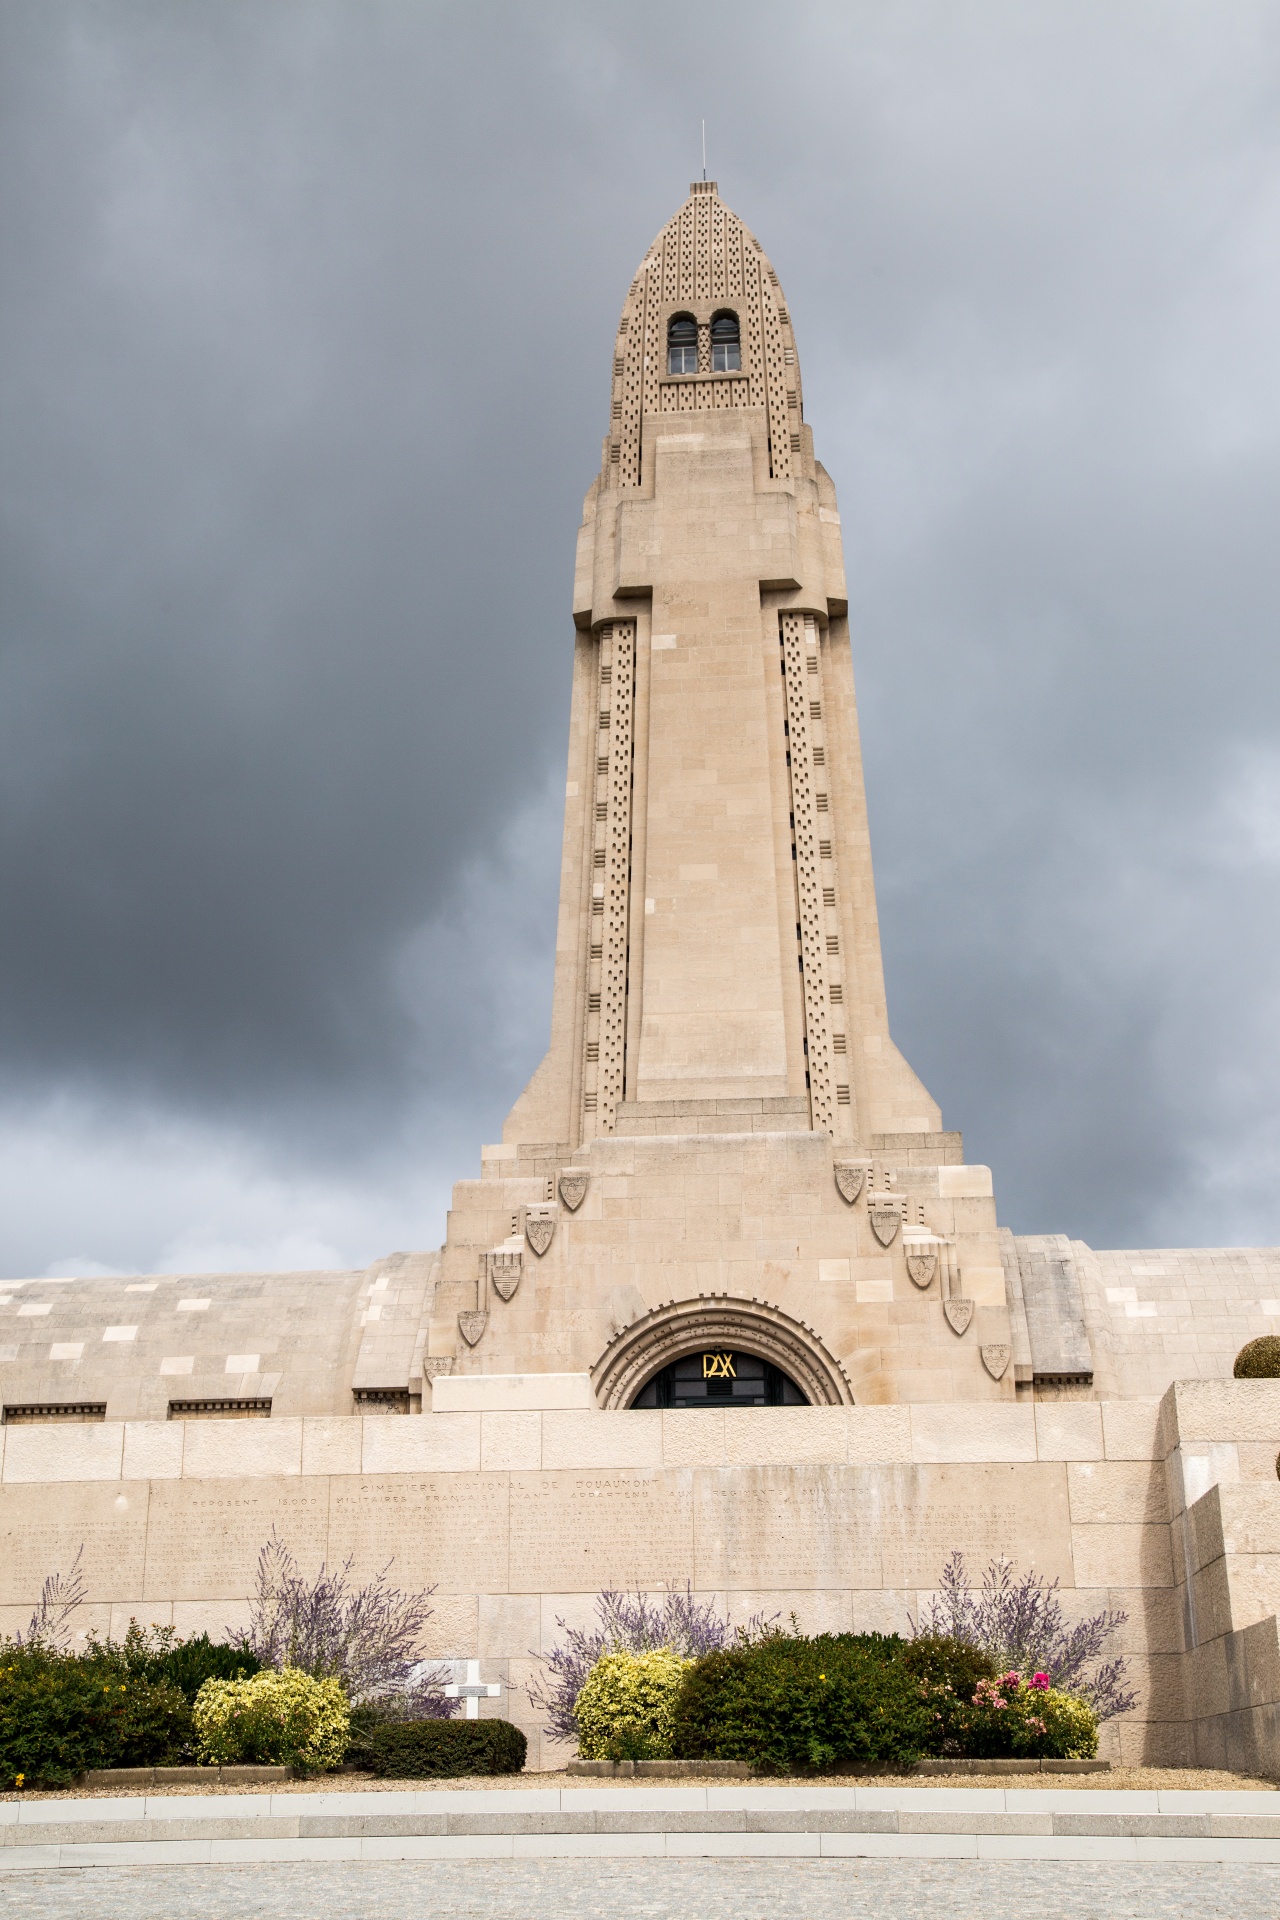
1259 1359
786 1704
432 1749
793 1705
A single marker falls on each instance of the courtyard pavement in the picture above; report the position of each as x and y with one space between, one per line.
652 1890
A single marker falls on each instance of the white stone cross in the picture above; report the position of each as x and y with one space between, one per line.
473 1690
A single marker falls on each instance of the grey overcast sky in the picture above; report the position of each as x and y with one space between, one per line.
307 313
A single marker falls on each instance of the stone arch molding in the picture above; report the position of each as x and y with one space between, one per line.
718 1320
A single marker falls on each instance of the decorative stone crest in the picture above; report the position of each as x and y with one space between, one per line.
471 1326
959 1313
434 1365
922 1262
504 1266
851 1177
885 1216
572 1185
995 1359
539 1226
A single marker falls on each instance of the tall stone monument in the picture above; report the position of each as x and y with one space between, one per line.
723 1148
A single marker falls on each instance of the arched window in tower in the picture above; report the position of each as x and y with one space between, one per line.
682 344
726 344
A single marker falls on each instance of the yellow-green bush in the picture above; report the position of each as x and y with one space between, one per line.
624 1710
1072 1731
275 1719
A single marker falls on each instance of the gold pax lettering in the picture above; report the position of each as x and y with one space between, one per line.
718 1366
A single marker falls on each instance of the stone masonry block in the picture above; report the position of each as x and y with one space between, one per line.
1129 1428
799 1436
879 1433
693 1437
510 1442
243 1449
435 1443
153 1449
1132 1556
579 1439
331 1445
1125 1491
1228 1410
507 1625
64 1452
983 1432
1068 1432
1251 1518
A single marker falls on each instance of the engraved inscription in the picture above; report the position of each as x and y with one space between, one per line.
576 1532
447 1530
204 1536
42 1529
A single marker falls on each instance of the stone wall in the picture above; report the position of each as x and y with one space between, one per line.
842 1515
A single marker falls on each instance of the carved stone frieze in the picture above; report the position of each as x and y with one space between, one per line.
504 1266
471 1326
572 1186
539 1227
851 1176
885 1215
995 1358
922 1264
959 1313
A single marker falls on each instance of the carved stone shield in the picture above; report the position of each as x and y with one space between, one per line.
959 1313
471 1326
885 1220
850 1179
434 1365
995 1359
539 1226
572 1186
505 1269
922 1266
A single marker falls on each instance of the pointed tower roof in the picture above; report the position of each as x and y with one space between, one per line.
705 259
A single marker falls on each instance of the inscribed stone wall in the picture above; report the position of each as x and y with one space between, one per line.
843 1515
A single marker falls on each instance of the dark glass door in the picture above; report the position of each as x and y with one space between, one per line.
716 1378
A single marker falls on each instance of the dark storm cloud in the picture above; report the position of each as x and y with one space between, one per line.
306 328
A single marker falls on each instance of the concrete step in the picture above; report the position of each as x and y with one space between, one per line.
739 1820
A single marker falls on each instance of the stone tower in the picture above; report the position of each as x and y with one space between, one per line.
721 1083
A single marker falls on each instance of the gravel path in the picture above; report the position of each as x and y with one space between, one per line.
651 1890
1120 1779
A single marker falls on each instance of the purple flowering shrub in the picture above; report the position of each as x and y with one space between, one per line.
368 1637
1020 1624
50 1624
628 1623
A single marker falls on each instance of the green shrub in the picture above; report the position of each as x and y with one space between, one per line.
61 1714
1259 1359
793 1705
275 1719
1008 1718
156 1654
624 1709
431 1749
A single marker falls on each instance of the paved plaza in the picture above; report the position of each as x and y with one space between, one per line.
653 1890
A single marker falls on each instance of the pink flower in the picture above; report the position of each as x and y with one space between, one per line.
1040 1680
1013 1680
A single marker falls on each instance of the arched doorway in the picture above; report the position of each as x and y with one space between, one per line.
719 1323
